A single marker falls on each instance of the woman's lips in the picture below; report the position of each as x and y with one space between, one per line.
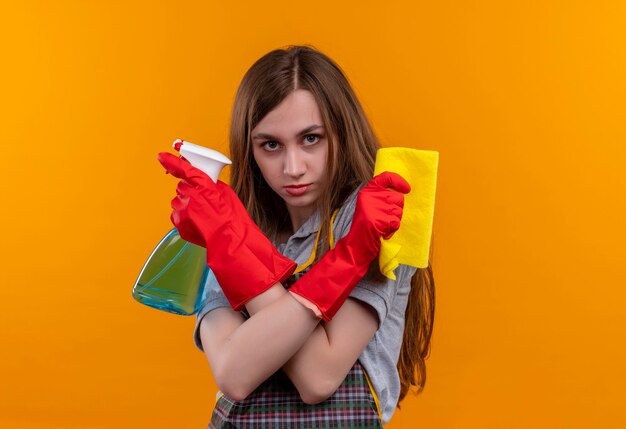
297 190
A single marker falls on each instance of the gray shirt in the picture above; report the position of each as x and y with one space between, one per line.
387 297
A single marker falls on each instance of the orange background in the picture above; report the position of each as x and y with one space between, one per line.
525 101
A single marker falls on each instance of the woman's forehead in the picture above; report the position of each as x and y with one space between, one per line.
296 112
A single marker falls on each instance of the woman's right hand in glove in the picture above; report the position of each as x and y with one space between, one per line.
209 214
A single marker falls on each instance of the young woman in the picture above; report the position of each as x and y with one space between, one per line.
300 329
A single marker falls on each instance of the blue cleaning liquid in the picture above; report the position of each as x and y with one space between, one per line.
173 277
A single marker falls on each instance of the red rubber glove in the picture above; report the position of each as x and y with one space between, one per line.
377 215
209 214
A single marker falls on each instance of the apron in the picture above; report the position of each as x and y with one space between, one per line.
276 403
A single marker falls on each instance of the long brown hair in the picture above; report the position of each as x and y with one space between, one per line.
351 156
419 319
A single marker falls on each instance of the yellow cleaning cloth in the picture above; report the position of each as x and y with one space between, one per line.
410 245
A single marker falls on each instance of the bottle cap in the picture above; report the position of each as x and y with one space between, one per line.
208 160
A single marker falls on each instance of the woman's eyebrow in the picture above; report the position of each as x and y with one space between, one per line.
299 134
309 129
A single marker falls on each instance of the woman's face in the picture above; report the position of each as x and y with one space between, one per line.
290 147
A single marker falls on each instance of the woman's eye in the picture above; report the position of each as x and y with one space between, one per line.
270 146
311 138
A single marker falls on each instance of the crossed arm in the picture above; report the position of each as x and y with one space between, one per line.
282 333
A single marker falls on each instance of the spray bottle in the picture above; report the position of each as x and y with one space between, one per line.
173 277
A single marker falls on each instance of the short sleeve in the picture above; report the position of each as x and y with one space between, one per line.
212 298
379 291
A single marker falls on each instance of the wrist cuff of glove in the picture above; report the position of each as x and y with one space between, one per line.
330 281
241 285
308 304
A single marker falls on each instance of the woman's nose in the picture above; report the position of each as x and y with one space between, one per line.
295 165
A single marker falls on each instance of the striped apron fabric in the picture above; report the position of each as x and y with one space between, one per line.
277 404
